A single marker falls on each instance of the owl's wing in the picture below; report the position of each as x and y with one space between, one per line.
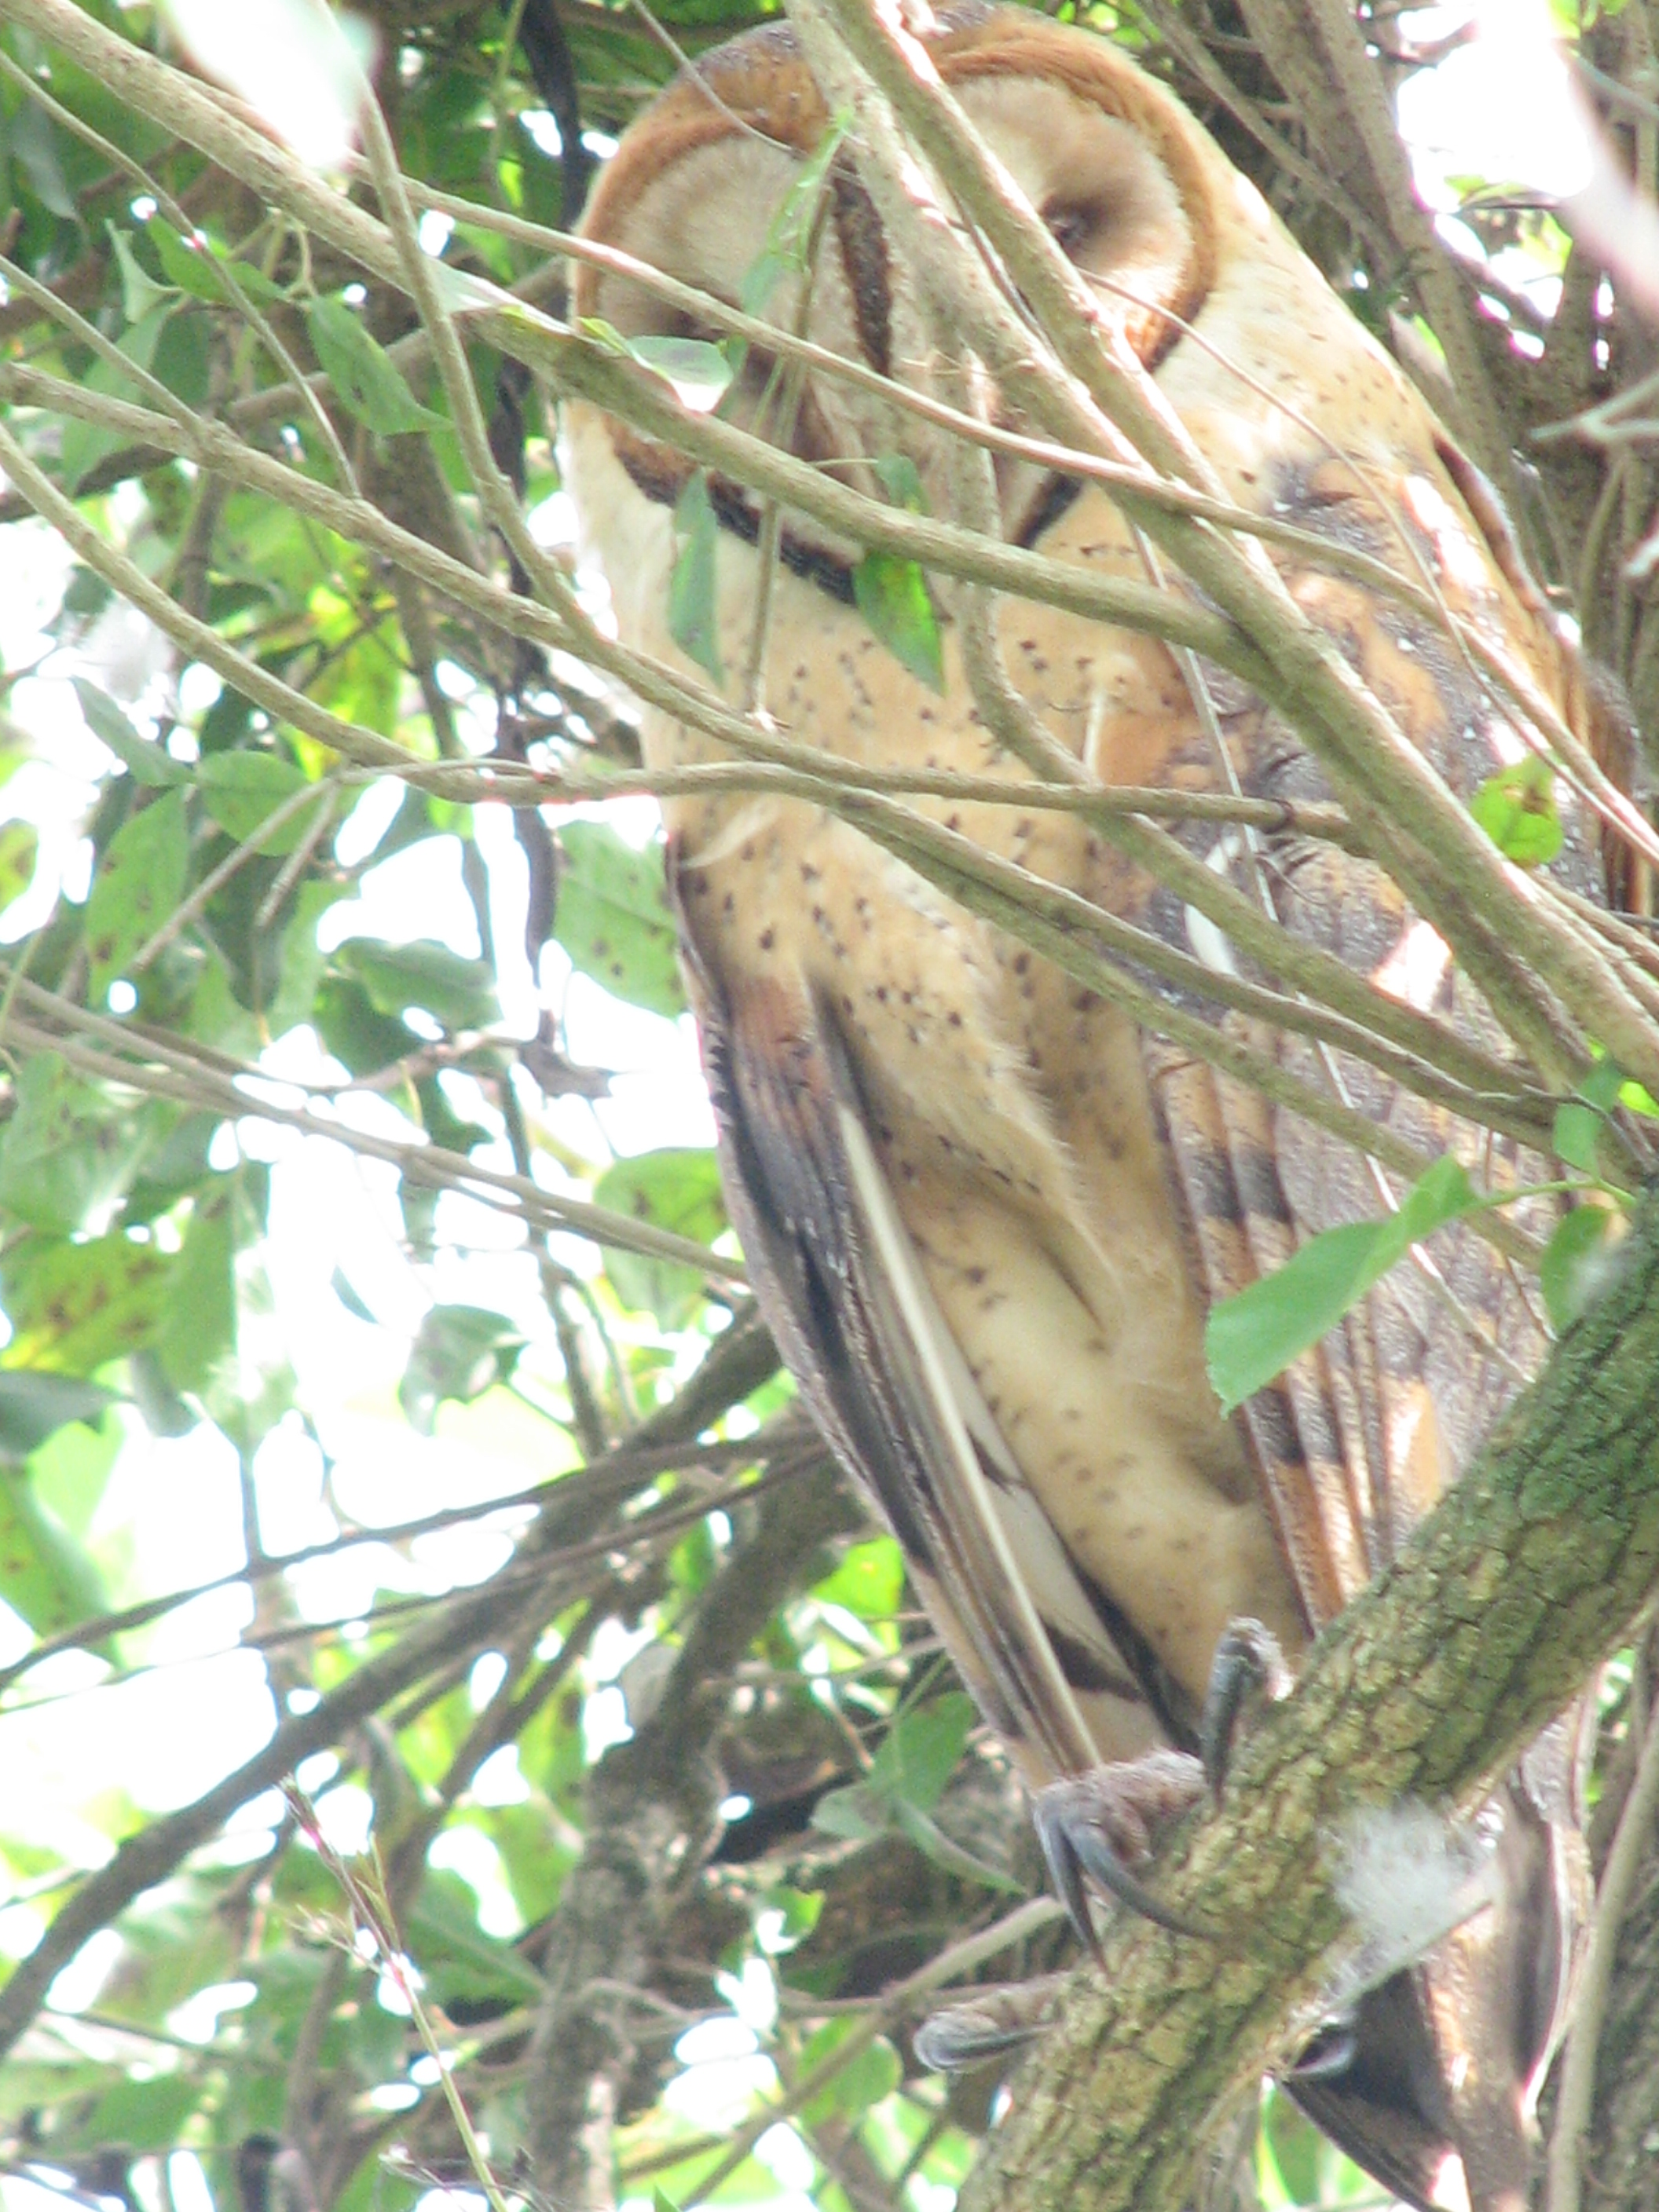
883 1375
1358 1438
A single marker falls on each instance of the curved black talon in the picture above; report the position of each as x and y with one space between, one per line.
1247 1659
1332 2051
1092 1825
992 2021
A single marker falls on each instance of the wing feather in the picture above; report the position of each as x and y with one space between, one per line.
883 1374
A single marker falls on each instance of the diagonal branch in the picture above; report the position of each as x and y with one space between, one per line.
1530 1571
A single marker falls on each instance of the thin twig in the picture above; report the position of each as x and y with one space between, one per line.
1576 2099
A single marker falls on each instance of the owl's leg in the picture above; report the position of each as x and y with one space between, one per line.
1105 1825
1097 1828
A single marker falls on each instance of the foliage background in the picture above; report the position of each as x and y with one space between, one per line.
330 1446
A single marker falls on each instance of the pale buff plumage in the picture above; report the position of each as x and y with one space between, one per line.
987 1215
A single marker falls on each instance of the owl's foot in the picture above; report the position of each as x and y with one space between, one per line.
992 2021
1107 1825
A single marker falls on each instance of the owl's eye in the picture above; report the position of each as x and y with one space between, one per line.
1070 226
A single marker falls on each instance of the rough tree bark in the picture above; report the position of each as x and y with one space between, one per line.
1531 1571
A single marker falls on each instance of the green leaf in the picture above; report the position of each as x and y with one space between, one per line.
930 1840
907 1779
1251 1338
1567 1271
34 144
1577 1131
613 917
70 1149
674 1189
72 1307
20 847
199 1326
172 1168
869 1581
139 290
141 2116
693 601
457 992
921 1752
789 235
797 1912
140 880
241 790
83 445
33 1406
349 1298
891 594
186 264
605 334
366 381
150 764
458 1353
45 1575
855 1813
537 1850
1604 1085
1289 2150
456 1955
897 477
699 370
1575 1135
69 1470
873 2071
1516 809
303 961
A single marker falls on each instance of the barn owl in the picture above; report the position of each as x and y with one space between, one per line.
986 1214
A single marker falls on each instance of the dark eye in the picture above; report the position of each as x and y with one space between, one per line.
1070 227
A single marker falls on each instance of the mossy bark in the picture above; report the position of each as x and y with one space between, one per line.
1528 1575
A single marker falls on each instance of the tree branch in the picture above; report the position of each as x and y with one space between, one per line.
1527 1574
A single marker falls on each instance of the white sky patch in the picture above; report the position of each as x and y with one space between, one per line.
500 1781
1499 108
291 60
787 2158
417 893
161 1738
187 2184
368 821
467 1851
77 1985
345 1816
1415 970
196 2020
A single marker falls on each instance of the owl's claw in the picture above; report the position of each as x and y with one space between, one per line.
1104 1825
1248 1660
1329 2057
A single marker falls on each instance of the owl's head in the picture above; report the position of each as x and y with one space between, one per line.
702 183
